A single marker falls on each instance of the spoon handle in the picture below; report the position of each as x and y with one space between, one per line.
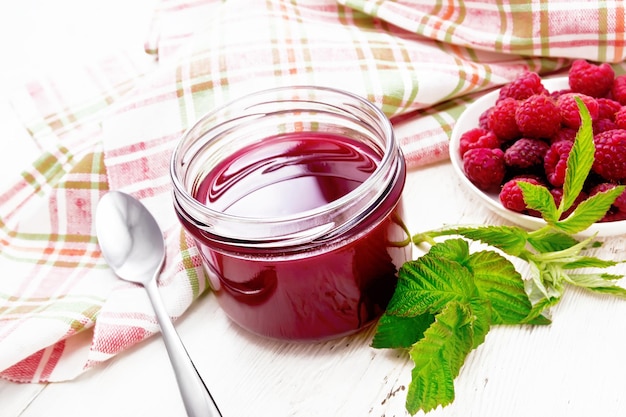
196 397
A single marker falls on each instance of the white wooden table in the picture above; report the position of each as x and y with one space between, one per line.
574 367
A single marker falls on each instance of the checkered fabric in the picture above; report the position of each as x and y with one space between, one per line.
113 124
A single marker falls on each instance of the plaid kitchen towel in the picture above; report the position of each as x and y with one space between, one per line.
113 125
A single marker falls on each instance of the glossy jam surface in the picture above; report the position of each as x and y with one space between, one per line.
331 289
287 175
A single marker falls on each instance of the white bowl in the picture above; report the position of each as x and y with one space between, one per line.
469 120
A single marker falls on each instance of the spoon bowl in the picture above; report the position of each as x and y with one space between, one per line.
132 244
130 238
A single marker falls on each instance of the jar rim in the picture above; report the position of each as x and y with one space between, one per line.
283 231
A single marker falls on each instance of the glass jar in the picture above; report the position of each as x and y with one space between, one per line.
293 196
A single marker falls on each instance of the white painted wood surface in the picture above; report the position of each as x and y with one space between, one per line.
574 367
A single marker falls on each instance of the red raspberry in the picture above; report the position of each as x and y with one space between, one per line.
538 117
620 118
555 162
619 203
484 167
477 138
523 86
511 195
565 133
558 93
502 119
590 79
607 108
569 109
618 91
483 120
526 154
557 194
613 216
610 156
602 125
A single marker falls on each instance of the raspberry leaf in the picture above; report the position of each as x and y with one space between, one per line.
428 284
401 332
454 249
541 306
509 239
443 306
602 283
589 262
438 357
537 197
447 300
580 159
612 289
590 211
551 240
499 282
482 312
579 165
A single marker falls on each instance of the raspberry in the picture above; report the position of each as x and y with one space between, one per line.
558 93
607 108
619 203
511 195
502 119
610 156
565 133
477 138
484 167
569 109
483 120
526 154
538 117
555 162
620 118
618 91
602 125
613 216
590 79
522 87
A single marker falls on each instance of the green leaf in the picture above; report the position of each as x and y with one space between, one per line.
589 262
610 289
590 211
438 358
482 313
510 239
540 307
453 249
499 282
447 300
602 283
538 197
579 165
593 280
580 159
551 240
400 332
430 282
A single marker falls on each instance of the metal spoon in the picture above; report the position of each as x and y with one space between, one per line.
132 244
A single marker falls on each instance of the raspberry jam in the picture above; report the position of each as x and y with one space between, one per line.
300 228
287 175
